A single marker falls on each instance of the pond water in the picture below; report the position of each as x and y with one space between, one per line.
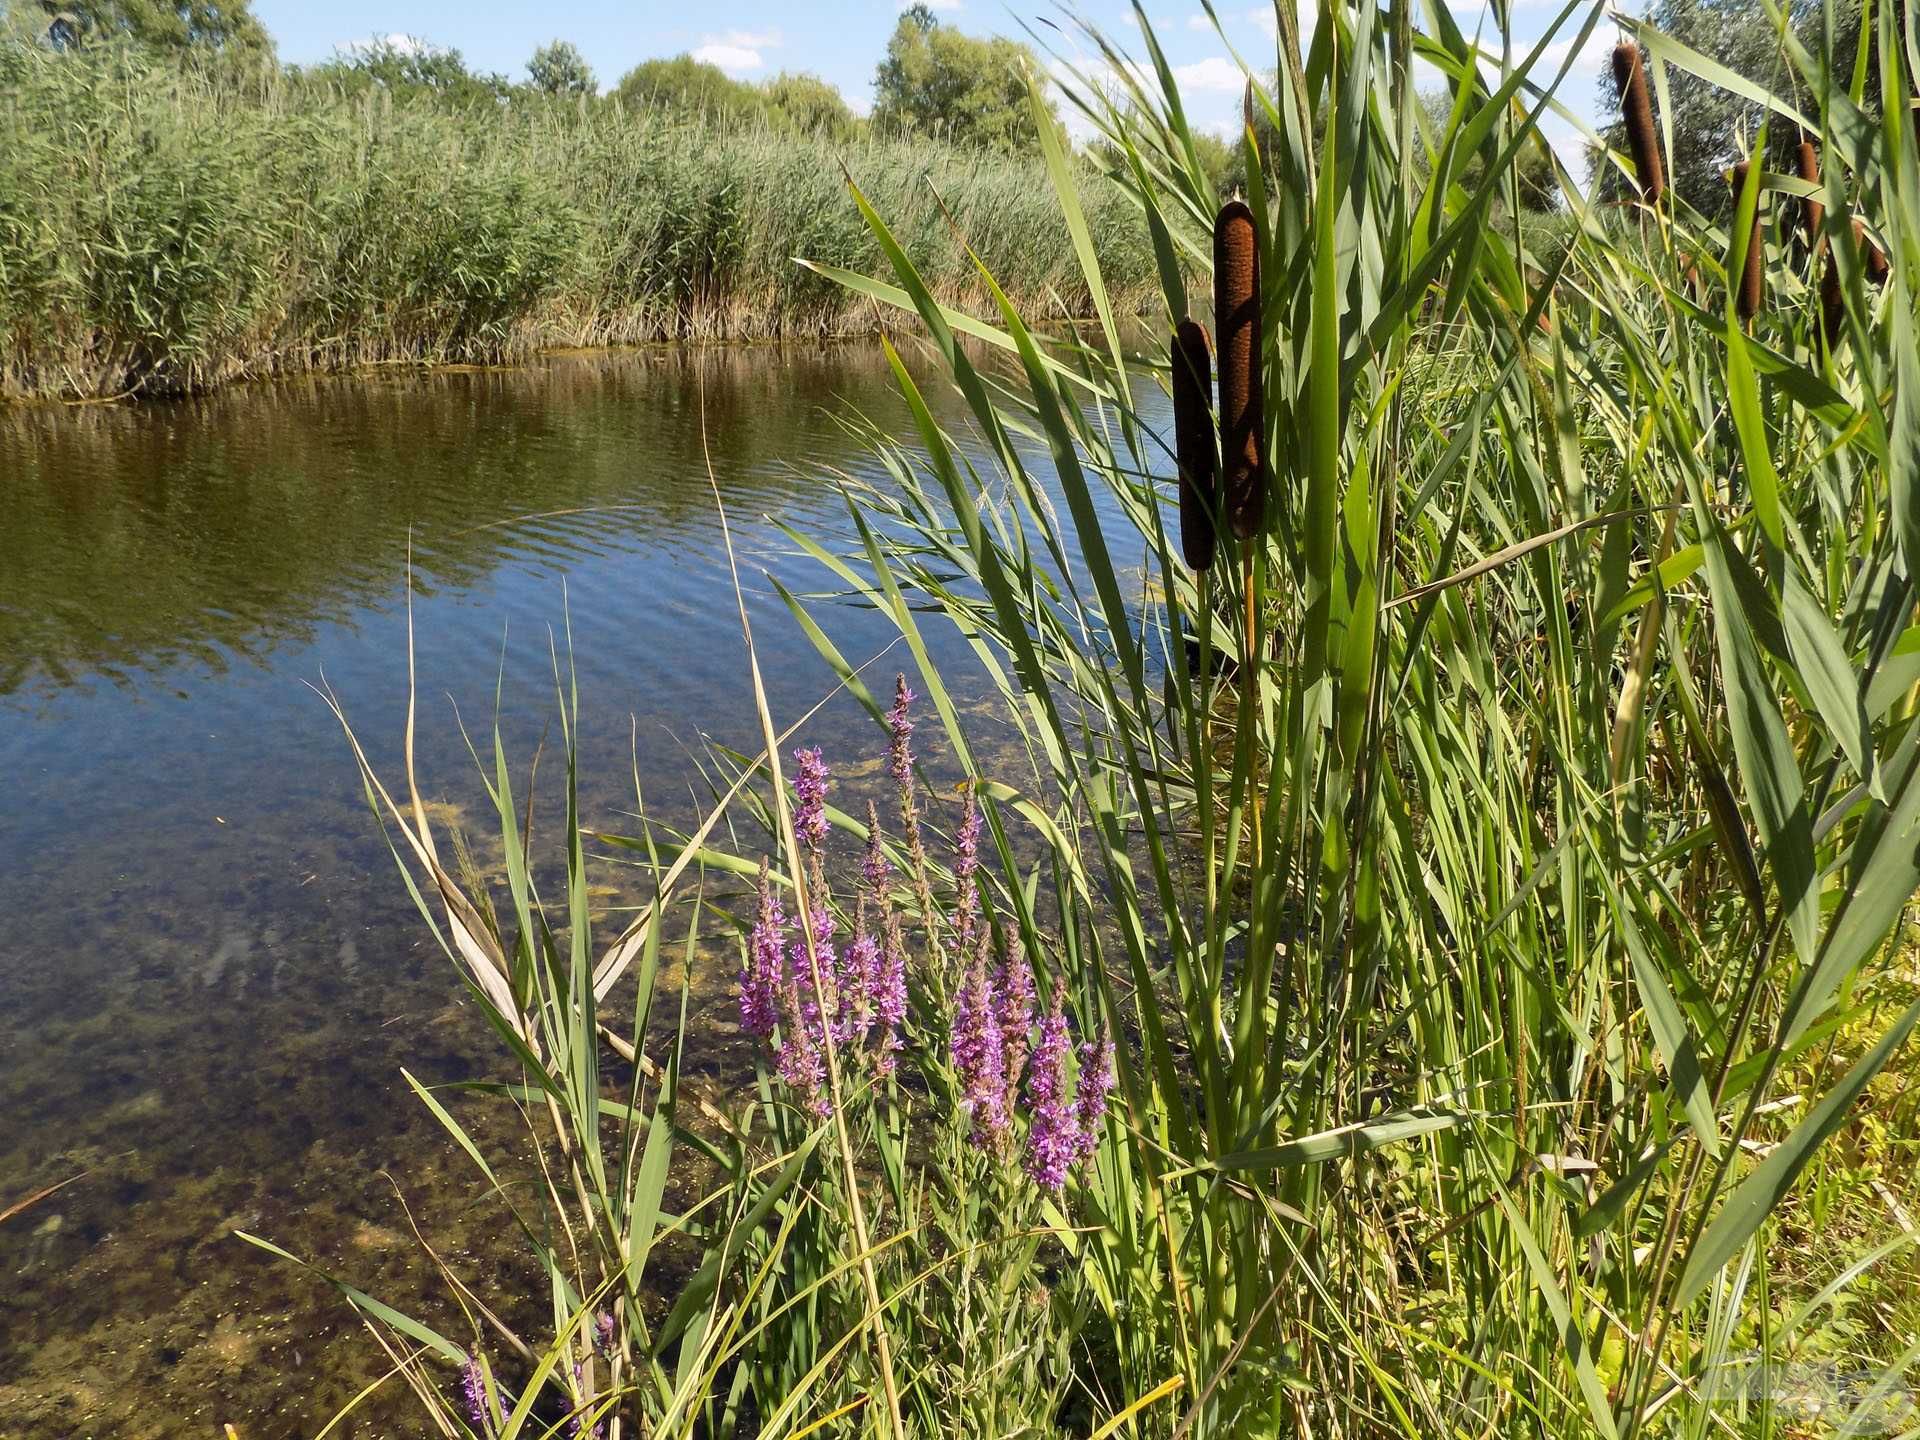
210 973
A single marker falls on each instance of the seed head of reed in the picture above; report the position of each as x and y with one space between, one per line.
1636 113
1237 321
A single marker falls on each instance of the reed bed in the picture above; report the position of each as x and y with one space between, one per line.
164 231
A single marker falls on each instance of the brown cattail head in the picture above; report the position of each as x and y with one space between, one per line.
1833 306
1236 319
1193 441
1751 292
1872 257
1811 210
1636 110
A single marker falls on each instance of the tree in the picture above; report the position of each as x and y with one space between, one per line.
226 27
558 68
808 105
693 86
408 67
936 80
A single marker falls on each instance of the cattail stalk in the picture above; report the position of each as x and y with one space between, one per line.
1193 446
1236 317
1751 292
1636 110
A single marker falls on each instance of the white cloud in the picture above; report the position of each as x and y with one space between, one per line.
1200 21
1215 75
734 59
738 51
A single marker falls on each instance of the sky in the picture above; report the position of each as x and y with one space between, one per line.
842 40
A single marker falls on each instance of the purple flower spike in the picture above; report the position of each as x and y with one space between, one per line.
859 970
764 974
980 1055
810 797
900 734
1096 1082
1053 1137
473 1388
1013 1011
966 863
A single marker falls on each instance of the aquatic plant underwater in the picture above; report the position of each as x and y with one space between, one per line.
1476 832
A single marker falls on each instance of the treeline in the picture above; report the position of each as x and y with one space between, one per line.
173 216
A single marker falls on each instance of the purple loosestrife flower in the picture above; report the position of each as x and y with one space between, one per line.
764 974
473 1389
1096 1082
798 1058
900 736
979 1055
1053 1136
810 797
1013 1011
859 970
603 1332
966 864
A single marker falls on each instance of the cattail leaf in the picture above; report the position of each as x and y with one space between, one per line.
1827 675
1346 1140
1769 770
1675 570
1672 1036
1760 1194
1886 872
1903 457
1573 1338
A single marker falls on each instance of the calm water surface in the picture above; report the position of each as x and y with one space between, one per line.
210 975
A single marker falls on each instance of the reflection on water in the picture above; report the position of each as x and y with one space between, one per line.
210 976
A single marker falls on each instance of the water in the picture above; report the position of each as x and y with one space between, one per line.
210 975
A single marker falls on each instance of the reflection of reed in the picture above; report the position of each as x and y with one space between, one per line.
208 528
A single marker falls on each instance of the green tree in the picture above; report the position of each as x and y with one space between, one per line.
411 68
938 81
808 105
558 68
225 26
692 86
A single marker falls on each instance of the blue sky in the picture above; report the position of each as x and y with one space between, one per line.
841 42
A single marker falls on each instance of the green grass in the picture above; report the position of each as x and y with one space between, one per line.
162 230
1508 946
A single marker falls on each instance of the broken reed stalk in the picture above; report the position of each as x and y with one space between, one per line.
1193 445
1636 111
1236 318
1751 292
1812 212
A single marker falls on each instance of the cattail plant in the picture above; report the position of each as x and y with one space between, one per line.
1751 292
1192 359
1636 109
1812 212
1236 309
